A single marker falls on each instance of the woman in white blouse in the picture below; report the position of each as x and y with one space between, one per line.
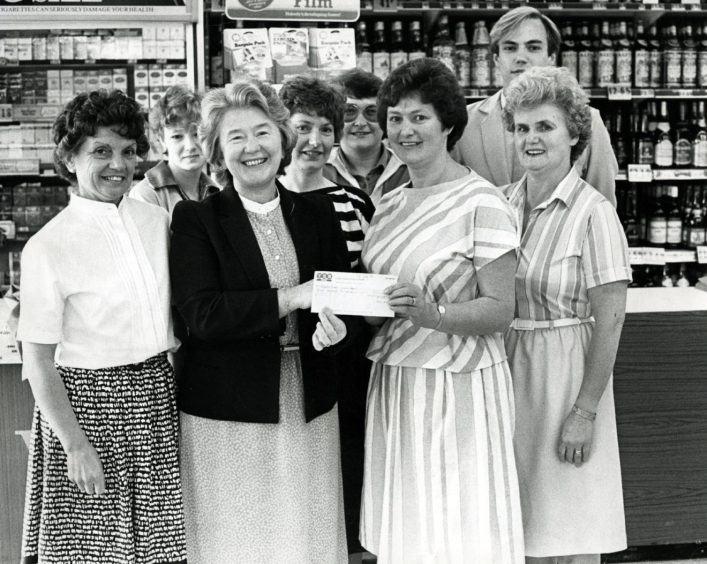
103 483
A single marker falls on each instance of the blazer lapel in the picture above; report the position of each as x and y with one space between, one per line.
493 136
303 230
240 235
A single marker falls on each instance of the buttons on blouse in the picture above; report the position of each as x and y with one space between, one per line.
269 232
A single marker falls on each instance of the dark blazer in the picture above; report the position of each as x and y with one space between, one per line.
221 289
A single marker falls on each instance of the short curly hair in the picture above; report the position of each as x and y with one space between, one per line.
239 96
557 86
358 83
88 111
178 106
435 84
315 97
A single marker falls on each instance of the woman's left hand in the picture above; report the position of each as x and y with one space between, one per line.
575 439
408 302
330 330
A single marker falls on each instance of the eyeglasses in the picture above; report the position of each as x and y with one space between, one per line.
352 111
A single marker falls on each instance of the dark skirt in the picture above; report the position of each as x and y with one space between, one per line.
129 415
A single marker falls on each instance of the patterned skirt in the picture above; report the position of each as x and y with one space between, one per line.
129 415
440 483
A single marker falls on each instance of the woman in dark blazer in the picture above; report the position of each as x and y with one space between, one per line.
259 432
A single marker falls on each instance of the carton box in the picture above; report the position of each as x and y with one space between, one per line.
134 46
66 47
177 49
176 32
163 32
247 53
331 50
92 80
105 79
11 48
53 79
149 32
154 76
149 48
289 48
39 48
93 47
182 76
80 81
2 47
169 76
164 50
54 97
142 97
53 49
155 96
67 80
80 47
24 48
140 76
120 79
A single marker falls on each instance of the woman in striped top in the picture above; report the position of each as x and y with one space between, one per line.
440 482
317 117
571 284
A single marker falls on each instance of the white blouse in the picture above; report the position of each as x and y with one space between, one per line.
95 281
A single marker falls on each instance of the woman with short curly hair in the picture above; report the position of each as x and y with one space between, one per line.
570 282
95 325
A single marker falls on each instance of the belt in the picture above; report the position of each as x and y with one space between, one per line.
288 348
532 324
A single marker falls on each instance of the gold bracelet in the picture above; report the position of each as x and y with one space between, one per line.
441 310
588 415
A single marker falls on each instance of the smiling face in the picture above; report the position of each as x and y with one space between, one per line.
183 148
104 165
542 140
524 47
361 134
251 144
416 135
315 139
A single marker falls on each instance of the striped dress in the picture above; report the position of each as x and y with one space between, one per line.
440 483
572 242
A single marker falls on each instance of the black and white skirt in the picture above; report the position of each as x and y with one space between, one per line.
129 415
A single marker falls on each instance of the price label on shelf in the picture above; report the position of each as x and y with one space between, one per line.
599 6
679 255
640 173
650 1
653 255
690 2
618 92
702 254
678 7
684 93
646 93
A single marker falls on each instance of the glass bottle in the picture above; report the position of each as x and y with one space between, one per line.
689 57
663 145
480 56
462 56
672 58
568 55
641 59
585 57
656 57
417 46
398 52
657 225
443 44
682 145
381 55
673 237
699 139
364 57
623 68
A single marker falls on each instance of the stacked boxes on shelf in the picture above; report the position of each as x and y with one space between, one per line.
30 205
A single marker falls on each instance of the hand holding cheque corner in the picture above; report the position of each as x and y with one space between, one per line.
352 293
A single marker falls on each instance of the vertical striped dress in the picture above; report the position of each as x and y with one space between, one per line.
572 242
440 483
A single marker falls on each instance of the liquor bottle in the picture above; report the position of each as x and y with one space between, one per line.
630 218
462 56
686 214
699 139
696 225
641 59
364 57
702 58
623 67
656 57
480 56
398 52
657 224
682 143
443 45
673 237
568 56
666 281
585 57
682 281
619 140
605 57
381 55
672 58
417 47
663 145
644 153
689 57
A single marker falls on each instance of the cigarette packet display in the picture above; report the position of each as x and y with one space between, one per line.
247 53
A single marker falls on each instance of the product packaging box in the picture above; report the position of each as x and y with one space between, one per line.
154 76
80 80
39 48
169 76
66 47
149 48
80 48
52 43
155 95
92 80
53 79
331 51
67 80
24 48
120 79
93 47
290 50
247 53
142 97
182 75
140 76
105 79
134 45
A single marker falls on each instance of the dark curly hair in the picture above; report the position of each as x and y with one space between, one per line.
435 84
557 86
357 83
88 111
312 96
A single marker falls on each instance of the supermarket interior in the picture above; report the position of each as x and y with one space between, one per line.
642 63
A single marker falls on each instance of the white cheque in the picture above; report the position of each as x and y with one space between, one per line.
352 293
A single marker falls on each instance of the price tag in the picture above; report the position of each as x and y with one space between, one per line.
618 92
646 93
680 255
640 173
599 6
663 174
683 93
19 166
690 2
654 255
698 174
678 8
635 255
650 1
702 254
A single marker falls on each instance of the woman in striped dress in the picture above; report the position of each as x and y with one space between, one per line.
440 482
571 284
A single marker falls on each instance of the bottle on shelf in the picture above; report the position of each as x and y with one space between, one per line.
672 57
666 281
605 56
630 218
696 224
702 57
657 222
481 56
381 55
398 50
585 57
656 57
673 237
644 153
623 67
417 46
682 281
699 138
568 54
663 145
686 214
682 143
641 59
443 44
619 140
462 56
364 56
689 57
